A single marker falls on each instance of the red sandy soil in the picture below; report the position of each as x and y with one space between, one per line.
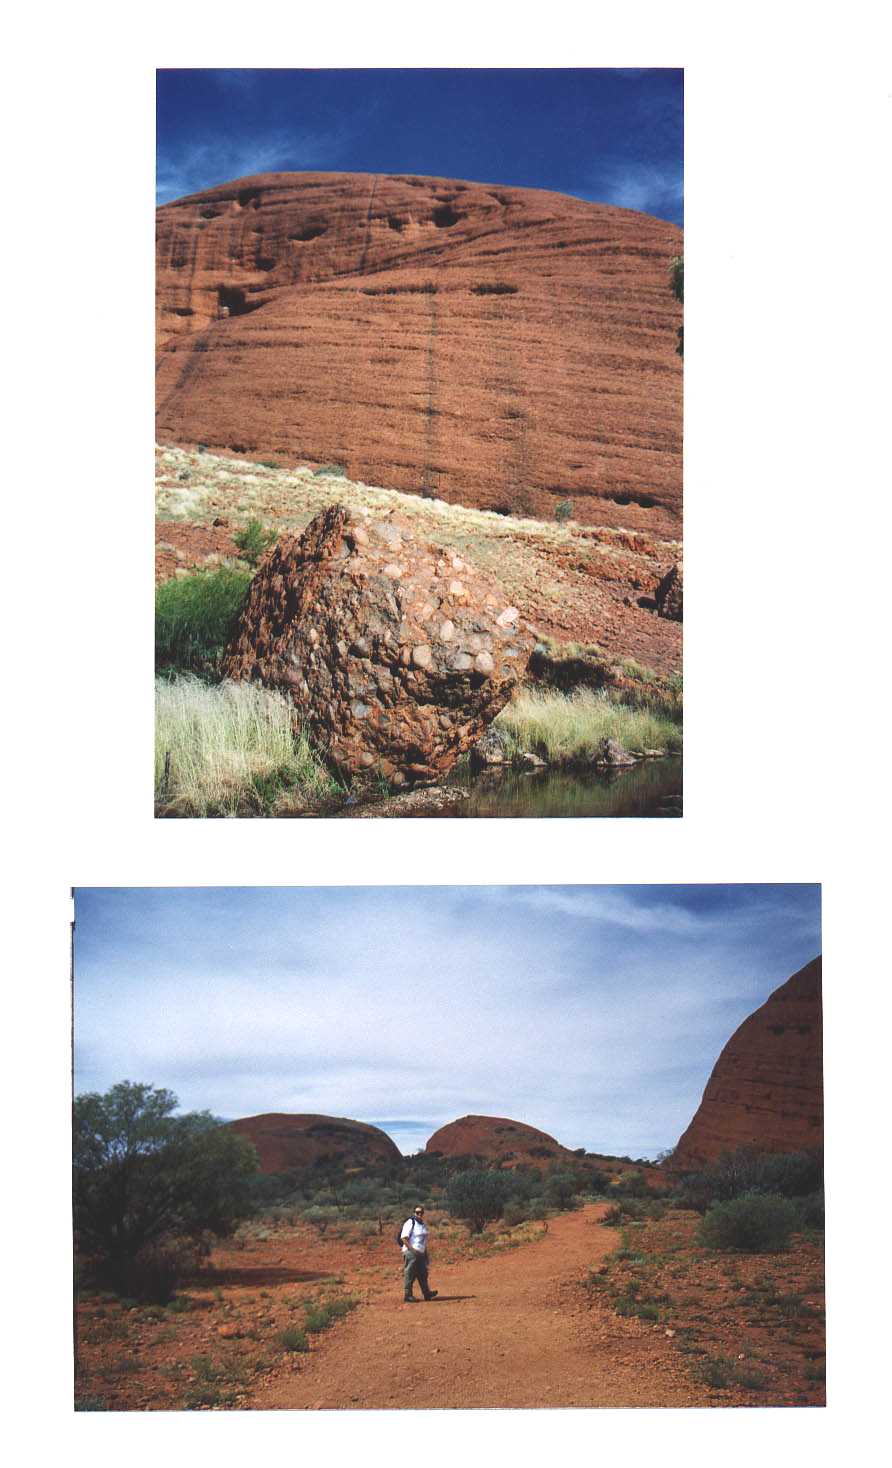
530 1326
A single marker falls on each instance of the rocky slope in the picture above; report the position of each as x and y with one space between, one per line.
498 347
766 1090
284 1141
590 584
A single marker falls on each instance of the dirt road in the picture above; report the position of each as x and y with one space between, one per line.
510 1331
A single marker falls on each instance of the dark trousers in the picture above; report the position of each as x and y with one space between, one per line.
415 1267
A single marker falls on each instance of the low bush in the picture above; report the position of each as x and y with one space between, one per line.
788 1174
811 1210
195 617
756 1223
254 540
155 1273
293 1339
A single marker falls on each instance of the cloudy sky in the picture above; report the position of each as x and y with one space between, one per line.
593 1013
612 136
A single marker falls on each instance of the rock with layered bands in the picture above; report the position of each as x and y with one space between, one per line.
502 347
766 1091
396 654
285 1141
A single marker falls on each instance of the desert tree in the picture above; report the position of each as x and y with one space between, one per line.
143 1175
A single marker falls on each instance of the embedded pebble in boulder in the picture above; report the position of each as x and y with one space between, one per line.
394 666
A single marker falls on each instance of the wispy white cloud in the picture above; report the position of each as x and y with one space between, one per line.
204 163
593 1013
647 187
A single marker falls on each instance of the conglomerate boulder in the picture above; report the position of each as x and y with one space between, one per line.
669 595
395 654
766 1090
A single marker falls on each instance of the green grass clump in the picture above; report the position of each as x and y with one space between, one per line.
195 617
254 540
229 750
755 1223
293 1339
322 1314
563 728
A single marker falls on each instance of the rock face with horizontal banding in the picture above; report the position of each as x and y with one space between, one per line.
506 348
285 1141
395 654
766 1091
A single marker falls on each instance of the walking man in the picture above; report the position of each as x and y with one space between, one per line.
413 1239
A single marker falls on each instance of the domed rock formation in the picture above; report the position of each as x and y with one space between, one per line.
501 347
497 1139
285 1141
766 1090
395 654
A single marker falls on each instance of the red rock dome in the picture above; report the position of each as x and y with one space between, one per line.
498 1139
766 1090
499 347
285 1141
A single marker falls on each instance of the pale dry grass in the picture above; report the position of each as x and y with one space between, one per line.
228 750
289 498
562 727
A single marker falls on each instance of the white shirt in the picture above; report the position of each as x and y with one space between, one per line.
414 1233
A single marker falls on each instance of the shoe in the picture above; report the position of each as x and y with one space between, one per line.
433 1295
411 1300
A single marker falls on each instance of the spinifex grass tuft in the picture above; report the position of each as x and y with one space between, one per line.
562 728
229 750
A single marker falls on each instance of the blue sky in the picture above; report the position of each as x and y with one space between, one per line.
611 136
593 1013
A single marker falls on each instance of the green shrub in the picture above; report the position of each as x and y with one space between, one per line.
478 1197
253 541
335 471
756 1223
563 511
715 1372
293 1339
154 1274
195 617
746 1170
811 1210
560 1189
